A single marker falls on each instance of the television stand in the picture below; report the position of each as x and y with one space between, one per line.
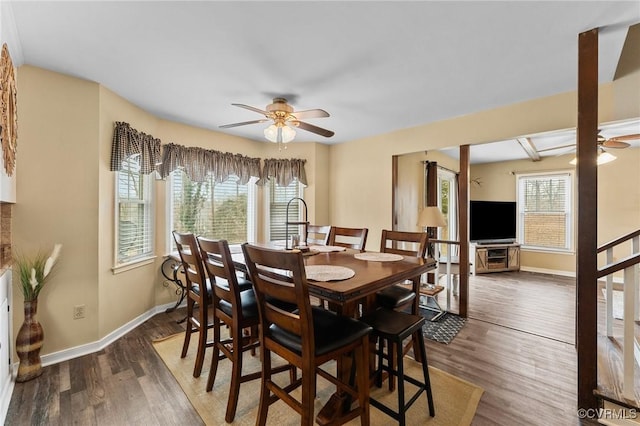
498 257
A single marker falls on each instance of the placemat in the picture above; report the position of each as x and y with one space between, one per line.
328 272
378 257
326 249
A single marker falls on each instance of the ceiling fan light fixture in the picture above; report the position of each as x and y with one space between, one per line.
603 158
287 133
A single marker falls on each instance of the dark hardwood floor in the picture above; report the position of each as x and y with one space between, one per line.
529 376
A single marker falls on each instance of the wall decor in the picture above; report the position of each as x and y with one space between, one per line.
8 110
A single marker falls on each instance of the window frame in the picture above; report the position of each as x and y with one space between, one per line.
569 175
148 200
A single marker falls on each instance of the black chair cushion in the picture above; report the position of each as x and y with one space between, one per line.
331 331
393 325
394 296
243 284
196 288
248 302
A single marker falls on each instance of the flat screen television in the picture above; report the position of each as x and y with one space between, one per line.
492 221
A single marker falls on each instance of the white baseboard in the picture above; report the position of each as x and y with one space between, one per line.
78 351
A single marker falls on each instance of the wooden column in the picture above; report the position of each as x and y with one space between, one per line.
463 230
394 193
586 237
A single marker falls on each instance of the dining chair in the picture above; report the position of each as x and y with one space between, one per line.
318 234
234 307
355 238
402 296
198 297
306 338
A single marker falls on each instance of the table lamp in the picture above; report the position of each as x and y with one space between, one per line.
431 217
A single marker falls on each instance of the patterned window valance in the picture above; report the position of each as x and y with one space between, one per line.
127 141
284 171
198 163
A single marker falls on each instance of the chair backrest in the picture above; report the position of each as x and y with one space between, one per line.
355 238
318 234
222 274
404 243
279 279
191 260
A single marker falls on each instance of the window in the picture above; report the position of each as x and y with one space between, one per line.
279 197
545 210
447 201
134 219
219 210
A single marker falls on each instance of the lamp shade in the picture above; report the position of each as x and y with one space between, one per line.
286 133
603 158
431 217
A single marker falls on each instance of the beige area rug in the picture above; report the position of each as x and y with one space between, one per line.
455 399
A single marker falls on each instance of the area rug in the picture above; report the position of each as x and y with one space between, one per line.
455 400
444 329
618 303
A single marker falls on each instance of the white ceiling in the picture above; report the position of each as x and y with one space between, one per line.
375 67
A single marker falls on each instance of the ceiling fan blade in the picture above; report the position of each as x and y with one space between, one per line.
310 113
626 137
250 108
613 143
313 129
244 123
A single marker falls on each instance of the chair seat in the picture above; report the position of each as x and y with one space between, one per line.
393 325
196 288
331 331
243 284
248 302
394 297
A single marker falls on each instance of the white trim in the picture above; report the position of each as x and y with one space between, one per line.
147 260
569 274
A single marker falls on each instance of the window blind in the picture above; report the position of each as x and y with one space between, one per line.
210 209
134 219
280 197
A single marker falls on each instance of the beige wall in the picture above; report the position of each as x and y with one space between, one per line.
57 199
618 199
66 194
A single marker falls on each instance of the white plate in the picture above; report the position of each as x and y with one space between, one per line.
326 249
378 257
328 272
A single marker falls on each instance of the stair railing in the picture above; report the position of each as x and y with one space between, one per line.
631 282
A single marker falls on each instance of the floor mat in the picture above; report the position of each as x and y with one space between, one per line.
444 329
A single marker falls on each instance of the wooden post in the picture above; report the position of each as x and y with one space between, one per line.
586 237
463 230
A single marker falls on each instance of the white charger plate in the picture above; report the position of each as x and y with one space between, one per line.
328 272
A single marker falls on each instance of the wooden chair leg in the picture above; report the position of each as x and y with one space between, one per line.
202 343
362 377
308 397
263 407
234 389
188 330
215 357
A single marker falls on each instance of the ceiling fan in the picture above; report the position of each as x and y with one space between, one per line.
616 142
284 119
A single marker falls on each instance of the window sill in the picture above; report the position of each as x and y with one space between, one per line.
124 267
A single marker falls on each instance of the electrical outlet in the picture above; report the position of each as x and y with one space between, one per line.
78 312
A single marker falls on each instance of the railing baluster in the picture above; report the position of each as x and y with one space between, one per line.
609 295
635 248
630 297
